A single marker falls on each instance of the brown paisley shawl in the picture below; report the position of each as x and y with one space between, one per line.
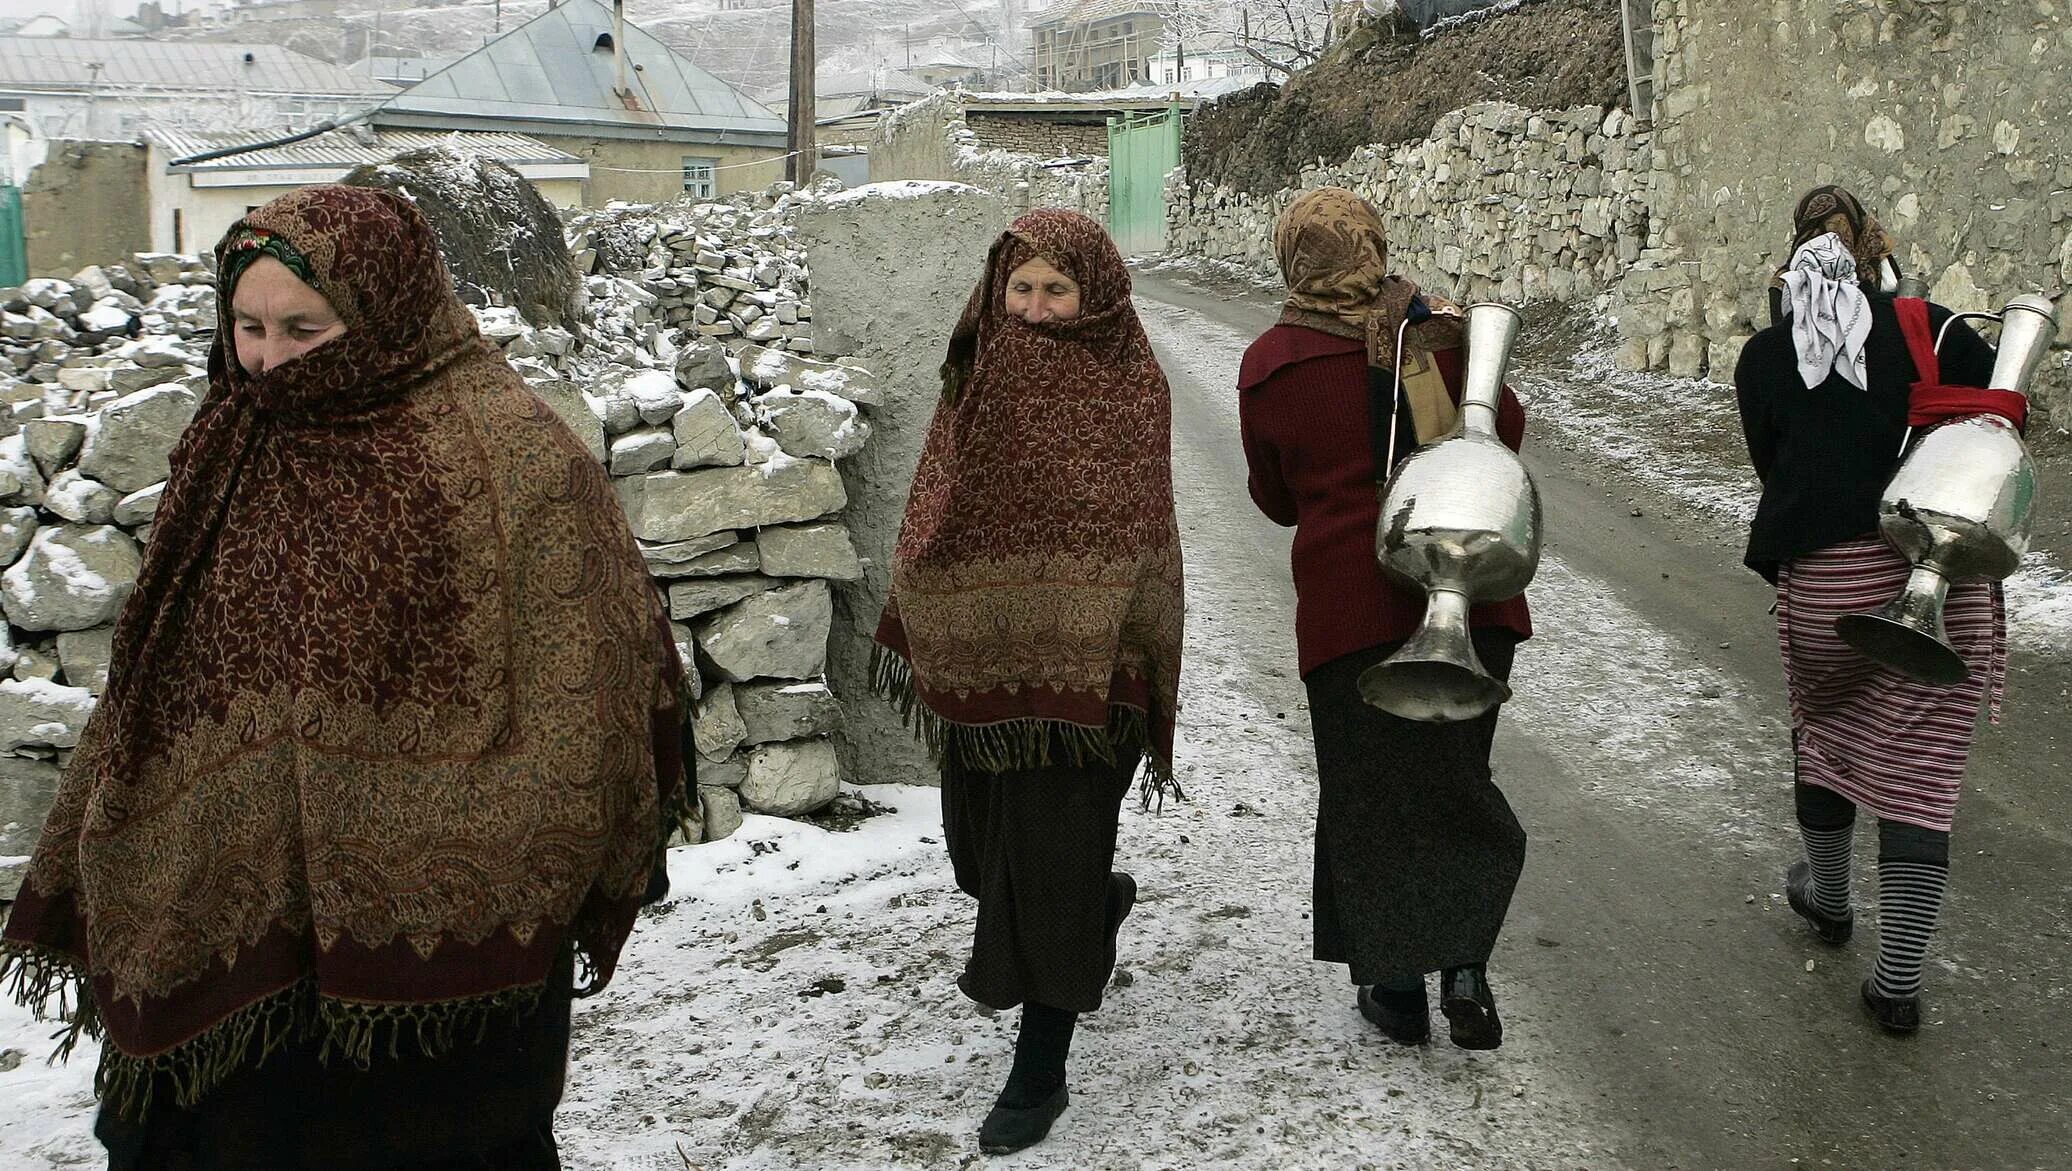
1334 256
1037 602
392 716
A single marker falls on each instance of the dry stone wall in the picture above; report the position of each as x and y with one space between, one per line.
1948 119
1499 201
933 139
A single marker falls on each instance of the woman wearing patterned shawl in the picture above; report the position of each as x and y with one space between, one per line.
1827 395
387 745
1417 850
1032 635
1830 209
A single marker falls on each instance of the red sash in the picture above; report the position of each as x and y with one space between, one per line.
1929 401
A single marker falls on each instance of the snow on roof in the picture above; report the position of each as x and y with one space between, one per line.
341 148
557 69
1089 11
110 67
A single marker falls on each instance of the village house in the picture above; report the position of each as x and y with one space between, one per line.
649 124
116 90
193 204
1080 45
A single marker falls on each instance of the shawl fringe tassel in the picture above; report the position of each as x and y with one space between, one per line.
1025 743
349 1031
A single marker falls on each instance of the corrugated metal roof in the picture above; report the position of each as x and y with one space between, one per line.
341 148
63 64
550 70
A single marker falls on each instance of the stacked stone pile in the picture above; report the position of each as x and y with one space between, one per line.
1499 201
688 377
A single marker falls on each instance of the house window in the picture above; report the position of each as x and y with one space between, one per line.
698 177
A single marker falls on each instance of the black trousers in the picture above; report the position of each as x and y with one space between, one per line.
1035 847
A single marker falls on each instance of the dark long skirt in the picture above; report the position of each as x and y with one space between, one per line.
483 1107
1034 847
1417 850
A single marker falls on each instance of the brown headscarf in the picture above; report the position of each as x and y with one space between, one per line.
1334 256
392 713
1829 208
1036 600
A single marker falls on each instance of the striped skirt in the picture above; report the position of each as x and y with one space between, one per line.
1886 742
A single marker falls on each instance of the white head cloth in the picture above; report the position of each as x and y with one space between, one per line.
1830 316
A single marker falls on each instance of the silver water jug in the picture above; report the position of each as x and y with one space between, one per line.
1460 520
1961 505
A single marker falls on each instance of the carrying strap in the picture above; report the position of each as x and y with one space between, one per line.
1929 401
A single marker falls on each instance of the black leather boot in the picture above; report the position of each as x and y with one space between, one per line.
1470 1007
1393 1013
1010 1128
1894 1014
1798 891
1122 895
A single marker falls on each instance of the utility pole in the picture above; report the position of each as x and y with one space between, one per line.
804 152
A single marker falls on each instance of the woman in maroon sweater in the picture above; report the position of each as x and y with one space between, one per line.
1417 850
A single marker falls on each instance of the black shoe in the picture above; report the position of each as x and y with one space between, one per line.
1403 1026
1007 1129
1798 891
1894 1014
1470 1008
1122 895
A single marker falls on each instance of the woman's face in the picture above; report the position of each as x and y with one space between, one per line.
277 318
1037 293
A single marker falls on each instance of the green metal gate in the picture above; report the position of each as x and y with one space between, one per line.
14 245
1141 149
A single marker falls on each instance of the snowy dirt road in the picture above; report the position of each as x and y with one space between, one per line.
794 1005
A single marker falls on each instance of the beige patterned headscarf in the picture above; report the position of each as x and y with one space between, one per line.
1334 257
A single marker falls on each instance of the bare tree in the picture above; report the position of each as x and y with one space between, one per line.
1282 36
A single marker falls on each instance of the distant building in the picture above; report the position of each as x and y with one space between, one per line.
942 66
1215 58
115 90
267 11
673 129
837 94
1081 45
192 205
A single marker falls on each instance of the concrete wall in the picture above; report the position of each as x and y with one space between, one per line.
1948 120
890 276
1499 201
652 172
930 139
86 204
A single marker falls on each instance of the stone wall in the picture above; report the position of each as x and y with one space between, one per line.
932 140
1499 201
1949 120
1039 134
86 204
892 267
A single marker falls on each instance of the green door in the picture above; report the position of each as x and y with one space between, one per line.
14 246
1141 149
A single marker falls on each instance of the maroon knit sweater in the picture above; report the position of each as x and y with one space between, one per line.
1302 402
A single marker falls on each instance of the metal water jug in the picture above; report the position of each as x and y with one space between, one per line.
1460 520
1961 505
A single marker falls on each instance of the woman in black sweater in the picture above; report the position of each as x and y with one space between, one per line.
1824 404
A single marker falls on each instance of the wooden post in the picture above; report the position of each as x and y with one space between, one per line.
804 154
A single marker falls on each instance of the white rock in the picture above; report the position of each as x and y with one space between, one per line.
816 550
722 809
778 634
789 780
21 482
30 663
81 500
689 599
739 558
53 443
71 578
655 396
813 423
154 353
138 507
642 450
84 654
706 434
771 712
17 527
39 713
128 446
676 506
716 723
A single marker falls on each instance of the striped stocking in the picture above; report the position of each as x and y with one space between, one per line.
1828 852
1910 896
